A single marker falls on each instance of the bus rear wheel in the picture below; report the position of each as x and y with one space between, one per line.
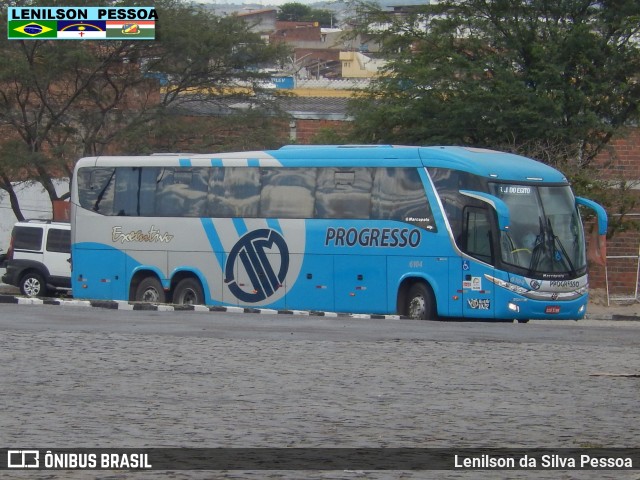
420 303
150 291
188 292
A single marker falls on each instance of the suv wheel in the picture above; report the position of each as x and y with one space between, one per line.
32 285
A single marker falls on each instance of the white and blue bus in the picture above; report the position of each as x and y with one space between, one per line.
423 232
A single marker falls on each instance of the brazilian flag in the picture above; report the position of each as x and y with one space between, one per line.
32 29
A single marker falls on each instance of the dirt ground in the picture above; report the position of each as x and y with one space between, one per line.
598 306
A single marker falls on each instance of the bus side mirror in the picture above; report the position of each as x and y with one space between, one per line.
597 251
601 213
501 208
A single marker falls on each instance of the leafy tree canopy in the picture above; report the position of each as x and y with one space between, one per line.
515 74
299 12
551 80
60 100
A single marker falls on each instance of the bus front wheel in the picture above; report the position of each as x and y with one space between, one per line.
150 291
188 292
420 303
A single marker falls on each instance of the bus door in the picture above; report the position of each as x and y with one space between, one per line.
477 291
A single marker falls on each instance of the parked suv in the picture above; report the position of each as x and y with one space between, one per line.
39 256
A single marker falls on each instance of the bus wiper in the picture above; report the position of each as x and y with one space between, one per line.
556 241
96 205
540 247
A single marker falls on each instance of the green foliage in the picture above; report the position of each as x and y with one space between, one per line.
299 12
60 100
551 80
509 74
330 136
247 130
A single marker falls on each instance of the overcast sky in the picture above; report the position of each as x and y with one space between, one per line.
265 3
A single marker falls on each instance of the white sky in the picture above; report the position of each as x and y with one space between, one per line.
264 3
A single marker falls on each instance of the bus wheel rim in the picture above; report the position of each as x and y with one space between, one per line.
150 295
417 307
189 297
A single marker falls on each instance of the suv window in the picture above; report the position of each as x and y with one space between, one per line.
59 241
27 238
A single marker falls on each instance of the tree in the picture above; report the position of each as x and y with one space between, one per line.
551 80
299 12
60 100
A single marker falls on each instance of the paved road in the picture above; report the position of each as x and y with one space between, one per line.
88 377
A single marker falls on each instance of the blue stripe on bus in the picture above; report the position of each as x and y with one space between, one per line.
274 224
253 162
241 227
216 162
185 162
214 240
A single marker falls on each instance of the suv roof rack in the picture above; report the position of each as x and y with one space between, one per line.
43 220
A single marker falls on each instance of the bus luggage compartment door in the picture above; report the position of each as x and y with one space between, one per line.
98 276
361 284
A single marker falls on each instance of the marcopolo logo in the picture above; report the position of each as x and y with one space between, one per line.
265 271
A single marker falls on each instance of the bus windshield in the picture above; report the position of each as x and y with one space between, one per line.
545 235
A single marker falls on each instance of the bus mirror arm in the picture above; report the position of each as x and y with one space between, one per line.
501 208
597 251
601 213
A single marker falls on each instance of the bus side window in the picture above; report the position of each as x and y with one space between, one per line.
234 192
288 192
128 200
96 189
398 194
476 239
182 192
344 193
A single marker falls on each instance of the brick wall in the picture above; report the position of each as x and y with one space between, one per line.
624 160
622 264
621 162
306 129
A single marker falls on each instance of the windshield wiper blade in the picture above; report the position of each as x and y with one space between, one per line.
96 205
556 241
539 248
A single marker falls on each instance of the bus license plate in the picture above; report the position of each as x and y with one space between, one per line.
552 309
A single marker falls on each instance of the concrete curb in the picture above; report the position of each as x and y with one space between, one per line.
628 318
132 306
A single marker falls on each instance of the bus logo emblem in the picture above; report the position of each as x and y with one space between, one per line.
251 253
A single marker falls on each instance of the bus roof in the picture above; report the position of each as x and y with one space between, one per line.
491 164
486 163
483 162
